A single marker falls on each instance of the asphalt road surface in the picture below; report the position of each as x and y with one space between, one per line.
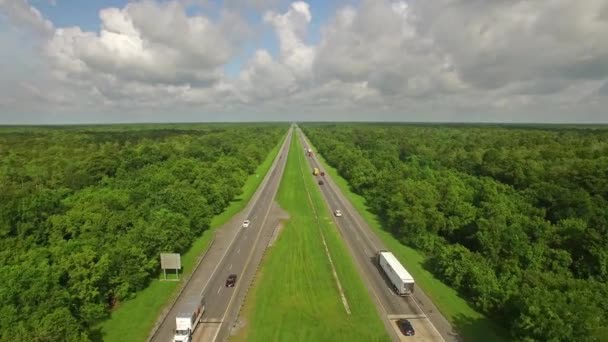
363 244
235 250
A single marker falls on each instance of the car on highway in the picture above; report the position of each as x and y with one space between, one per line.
246 223
321 182
231 280
406 327
338 213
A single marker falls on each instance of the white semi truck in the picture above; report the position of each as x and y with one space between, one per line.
403 282
188 319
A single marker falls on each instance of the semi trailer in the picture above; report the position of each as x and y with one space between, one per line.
188 319
402 281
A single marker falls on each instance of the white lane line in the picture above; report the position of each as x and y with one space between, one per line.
250 205
363 230
427 318
333 268
239 251
371 286
365 250
219 289
230 267
251 252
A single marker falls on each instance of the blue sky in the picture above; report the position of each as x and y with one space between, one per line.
397 60
85 14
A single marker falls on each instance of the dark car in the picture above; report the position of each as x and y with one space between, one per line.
406 327
231 280
320 182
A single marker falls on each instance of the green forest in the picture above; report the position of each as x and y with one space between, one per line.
514 218
85 212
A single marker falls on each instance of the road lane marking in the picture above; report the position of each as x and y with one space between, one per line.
332 192
248 261
219 289
371 287
253 200
427 318
239 251
360 229
230 267
316 214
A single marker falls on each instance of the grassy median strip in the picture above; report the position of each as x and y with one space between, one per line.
472 325
134 319
295 297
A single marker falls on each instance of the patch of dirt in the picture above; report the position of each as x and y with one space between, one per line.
278 212
282 217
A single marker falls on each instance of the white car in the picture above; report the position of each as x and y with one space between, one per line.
338 213
246 223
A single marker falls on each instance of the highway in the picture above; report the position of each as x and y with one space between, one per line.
363 244
235 250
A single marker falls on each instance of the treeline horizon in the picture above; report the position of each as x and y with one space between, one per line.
84 214
192 125
516 220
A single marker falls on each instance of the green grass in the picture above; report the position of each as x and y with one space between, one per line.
472 325
295 297
133 319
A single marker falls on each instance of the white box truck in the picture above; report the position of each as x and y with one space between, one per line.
403 282
188 319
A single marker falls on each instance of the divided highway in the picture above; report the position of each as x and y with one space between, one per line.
363 245
237 250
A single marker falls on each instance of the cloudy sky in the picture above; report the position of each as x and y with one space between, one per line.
75 61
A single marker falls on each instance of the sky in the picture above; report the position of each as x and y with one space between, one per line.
74 61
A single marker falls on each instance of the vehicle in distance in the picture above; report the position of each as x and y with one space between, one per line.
406 327
246 223
188 319
338 213
320 182
315 171
402 281
231 280
322 174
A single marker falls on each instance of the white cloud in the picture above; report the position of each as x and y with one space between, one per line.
382 59
494 43
291 29
264 78
146 42
379 43
24 16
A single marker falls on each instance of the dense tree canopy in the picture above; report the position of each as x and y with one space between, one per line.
85 211
516 219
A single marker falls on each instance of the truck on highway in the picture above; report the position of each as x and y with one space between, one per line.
403 282
315 171
188 319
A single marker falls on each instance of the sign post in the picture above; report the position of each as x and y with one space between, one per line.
171 261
